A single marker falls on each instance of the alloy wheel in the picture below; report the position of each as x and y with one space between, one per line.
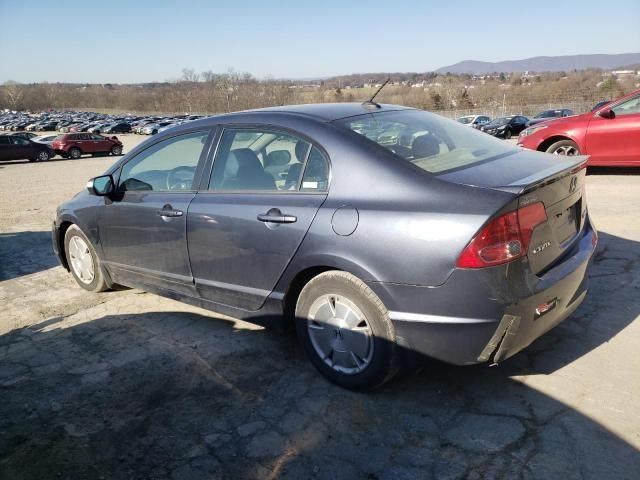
568 150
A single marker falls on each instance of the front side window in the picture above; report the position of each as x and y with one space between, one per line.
266 160
630 107
169 165
19 141
429 141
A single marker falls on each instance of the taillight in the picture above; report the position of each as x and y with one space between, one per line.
504 239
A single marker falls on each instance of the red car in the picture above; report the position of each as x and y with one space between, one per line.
610 135
76 144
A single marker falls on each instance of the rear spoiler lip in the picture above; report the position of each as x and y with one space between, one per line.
546 176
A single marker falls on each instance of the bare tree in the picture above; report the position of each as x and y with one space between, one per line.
13 92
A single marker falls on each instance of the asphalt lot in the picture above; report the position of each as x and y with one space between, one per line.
130 385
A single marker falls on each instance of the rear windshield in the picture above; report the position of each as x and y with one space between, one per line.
431 142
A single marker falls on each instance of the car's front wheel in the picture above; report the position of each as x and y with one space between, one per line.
43 156
507 134
564 147
346 331
116 150
83 261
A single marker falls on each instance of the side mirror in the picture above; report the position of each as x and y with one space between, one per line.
607 113
101 186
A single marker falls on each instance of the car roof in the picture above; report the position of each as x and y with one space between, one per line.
328 111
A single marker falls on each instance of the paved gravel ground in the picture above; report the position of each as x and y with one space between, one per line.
129 385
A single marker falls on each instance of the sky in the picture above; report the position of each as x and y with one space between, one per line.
118 41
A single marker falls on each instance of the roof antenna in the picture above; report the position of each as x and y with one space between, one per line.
370 102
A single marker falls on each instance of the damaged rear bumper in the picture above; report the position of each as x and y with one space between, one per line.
489 325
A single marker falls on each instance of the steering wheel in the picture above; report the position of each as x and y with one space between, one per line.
180 178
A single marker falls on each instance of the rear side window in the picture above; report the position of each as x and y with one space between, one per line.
316 173
429 141
4 140
267 160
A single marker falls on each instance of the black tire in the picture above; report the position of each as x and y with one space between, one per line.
381 365
116 150
564 147
507 134
75 153
43 156
98 283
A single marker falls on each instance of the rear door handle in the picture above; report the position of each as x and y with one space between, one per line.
169 211
274 215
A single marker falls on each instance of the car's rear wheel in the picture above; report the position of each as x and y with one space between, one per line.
43 156
83 261
116 150
346 331
75 153
564 147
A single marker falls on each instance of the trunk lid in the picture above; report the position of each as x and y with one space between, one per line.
558 182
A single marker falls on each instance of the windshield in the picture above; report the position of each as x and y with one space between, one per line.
429 141
465 120
549 114
500 121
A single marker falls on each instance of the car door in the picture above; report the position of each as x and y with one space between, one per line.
518 124
7 149
142 226
100 144
22 148
245 228
616 139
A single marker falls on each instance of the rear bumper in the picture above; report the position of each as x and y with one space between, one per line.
485 314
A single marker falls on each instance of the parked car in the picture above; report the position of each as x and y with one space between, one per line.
47 139
475 121
47 126
452 244
22 134
14 147
119 127
152 128
74 145
610 135
97 128
506 127
551 115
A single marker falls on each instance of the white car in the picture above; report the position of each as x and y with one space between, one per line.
475 121
46 139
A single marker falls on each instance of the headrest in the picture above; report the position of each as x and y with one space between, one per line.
425 146
241 158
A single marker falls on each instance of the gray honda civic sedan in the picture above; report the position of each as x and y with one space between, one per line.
375 229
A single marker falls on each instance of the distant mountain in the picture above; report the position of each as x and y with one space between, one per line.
545 64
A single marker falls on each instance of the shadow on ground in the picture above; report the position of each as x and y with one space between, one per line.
24 253
180 395
613 171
